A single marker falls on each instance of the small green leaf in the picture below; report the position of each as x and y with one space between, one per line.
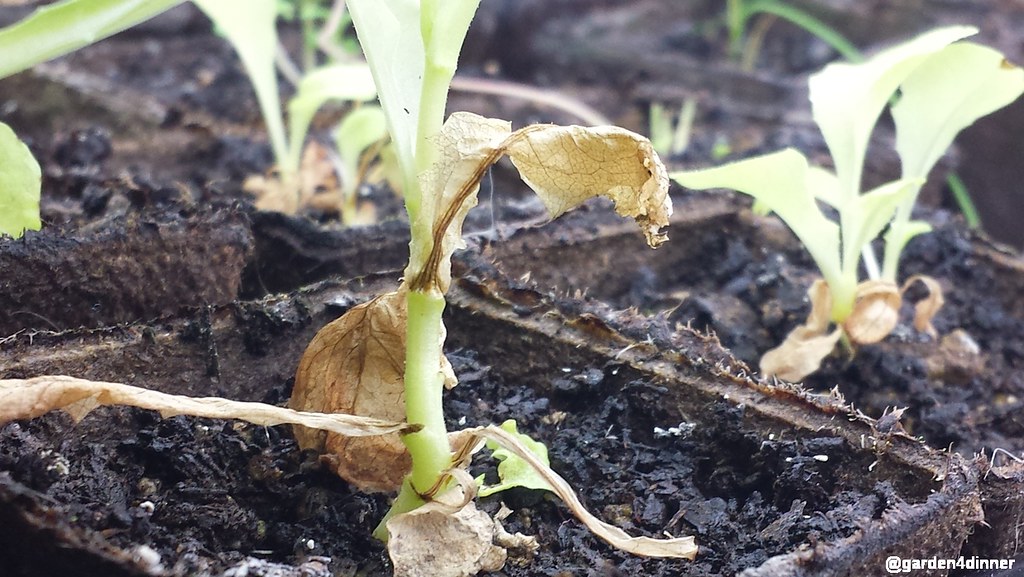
512 470
874 210
345 81
778 182
20 182
359 130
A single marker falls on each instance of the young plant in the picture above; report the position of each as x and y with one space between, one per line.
385 358
738 14
250 26
944 85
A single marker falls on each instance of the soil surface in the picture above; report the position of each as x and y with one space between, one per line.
202 497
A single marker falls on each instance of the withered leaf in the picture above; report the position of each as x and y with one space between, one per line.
468 145
434 541
288 193
926 309
564 165
808 344
356 365
672 547
875 312
30 398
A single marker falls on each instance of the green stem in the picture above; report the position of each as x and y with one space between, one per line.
736 15
809 23
424 385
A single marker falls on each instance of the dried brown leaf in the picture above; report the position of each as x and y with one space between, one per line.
290 193
807 345
926 309
356 365
566 165
676 547
435 541
30 398
875 312
467 146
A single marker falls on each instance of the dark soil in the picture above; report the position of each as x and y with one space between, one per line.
148 172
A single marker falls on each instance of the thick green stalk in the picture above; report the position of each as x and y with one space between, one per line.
424 386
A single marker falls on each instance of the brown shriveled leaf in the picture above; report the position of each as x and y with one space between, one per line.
875 312
315 180
30 398
467 146
566 165
438 540
808 344
356 365
926 309
676 547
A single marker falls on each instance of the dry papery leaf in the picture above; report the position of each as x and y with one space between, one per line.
677 547
30 398
875 315
808 344
450 537
564 165
315 185
355 365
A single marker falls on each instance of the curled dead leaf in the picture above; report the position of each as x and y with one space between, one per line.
436 541
674 547
874 316
356 365
806 345
564 165
288 193
926 309
875 312
30 398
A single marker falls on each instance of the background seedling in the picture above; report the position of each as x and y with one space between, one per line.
943 87
744 47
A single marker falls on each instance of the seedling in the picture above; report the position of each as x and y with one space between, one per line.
943 86
386 355
744 47
385 358
250 26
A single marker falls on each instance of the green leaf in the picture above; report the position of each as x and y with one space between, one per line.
824 185
946 94
20 182
874 210
897 238
359 130
64 27
514 471
779 182
249 25
847 99
389 32
344 81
